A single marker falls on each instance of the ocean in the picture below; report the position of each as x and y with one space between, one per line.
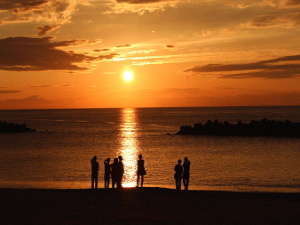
58 155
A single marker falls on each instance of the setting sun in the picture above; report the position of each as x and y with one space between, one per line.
128 76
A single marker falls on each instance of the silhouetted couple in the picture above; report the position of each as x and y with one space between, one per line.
182 173
114 171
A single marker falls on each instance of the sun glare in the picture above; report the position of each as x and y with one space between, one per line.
128 76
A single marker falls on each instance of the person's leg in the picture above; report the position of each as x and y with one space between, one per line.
113 183
179 183
107 182
187 182
120 181
116 183
142 180
138 180
96 182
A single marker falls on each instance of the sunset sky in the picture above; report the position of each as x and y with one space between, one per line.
74 53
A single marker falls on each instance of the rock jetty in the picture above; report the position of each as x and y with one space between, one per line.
7 127
254 128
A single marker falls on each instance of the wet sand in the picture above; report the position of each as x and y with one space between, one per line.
147 206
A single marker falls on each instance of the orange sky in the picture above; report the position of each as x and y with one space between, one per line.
72 53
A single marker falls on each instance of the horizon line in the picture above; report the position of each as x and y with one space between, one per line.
146 107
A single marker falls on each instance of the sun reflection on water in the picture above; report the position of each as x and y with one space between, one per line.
128 148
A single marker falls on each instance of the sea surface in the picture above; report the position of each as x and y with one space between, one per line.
58 155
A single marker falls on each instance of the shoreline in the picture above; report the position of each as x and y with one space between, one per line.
146 189
85 185
147 206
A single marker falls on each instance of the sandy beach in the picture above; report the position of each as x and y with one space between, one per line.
147 206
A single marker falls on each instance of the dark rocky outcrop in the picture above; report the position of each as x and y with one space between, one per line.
254 128
7 127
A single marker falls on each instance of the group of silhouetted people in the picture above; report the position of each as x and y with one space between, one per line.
115 171
182 173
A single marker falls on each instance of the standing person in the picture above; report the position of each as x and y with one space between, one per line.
186 173
94 172
107 172
120 172
114 173
178 174
141 172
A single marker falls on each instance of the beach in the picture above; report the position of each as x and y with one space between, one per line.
146 206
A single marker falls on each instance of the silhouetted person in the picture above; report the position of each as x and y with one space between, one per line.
94 172
178 174
107 172
141 172
114 173
120 172
186 173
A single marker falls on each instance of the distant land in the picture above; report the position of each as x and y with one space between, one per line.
7 127
254 128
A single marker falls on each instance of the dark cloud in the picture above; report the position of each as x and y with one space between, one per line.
41 86
178 97
284 20
293 2
102 50
34 101
20 4
282 67
170 46
255 99
53 13
43 30
37 54
9 91
194 97
141 1
123 46
264 21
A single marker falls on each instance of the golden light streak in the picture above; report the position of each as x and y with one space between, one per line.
128 148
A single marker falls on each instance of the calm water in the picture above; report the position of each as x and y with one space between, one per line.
58 156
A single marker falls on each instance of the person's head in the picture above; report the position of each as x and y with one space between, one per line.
120 158
186 159
179 162
94 158
108 160
140 156
116 160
